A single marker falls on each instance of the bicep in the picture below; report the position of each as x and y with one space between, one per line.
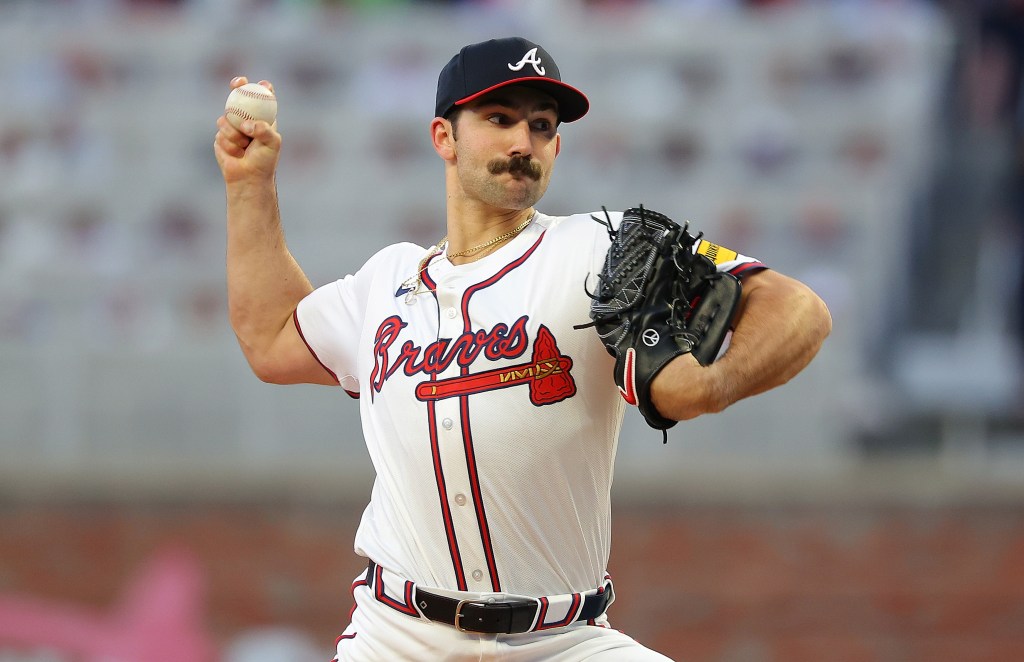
750 283
774 294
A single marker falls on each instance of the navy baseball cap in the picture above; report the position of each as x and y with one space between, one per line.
480 68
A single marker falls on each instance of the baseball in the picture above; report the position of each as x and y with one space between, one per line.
251 101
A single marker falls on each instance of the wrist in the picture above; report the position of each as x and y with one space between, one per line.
717 388
254 187
685 389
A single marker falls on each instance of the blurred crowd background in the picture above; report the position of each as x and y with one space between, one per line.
151 487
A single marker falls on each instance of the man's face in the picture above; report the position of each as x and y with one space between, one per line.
506 146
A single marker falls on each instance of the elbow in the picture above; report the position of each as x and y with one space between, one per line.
820 318
272 368
256 346
264 373
812 315
259 365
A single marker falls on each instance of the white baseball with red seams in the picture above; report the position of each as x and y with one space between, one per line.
478 401
251 101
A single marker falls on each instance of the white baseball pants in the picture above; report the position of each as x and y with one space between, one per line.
380 633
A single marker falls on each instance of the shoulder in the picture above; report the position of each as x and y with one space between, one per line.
392 260
580 240
586 223
395 254
381 269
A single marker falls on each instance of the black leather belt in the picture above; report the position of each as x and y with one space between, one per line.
508 617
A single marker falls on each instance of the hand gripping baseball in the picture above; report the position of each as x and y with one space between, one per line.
247 145
656 299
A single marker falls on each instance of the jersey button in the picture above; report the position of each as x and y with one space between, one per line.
460 499
478 575
447 424
451 313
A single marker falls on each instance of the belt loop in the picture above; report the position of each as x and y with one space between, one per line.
371 570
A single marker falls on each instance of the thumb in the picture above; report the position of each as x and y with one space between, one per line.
262 134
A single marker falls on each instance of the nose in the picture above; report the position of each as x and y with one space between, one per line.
520 144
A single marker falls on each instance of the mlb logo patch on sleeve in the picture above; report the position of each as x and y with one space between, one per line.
715 253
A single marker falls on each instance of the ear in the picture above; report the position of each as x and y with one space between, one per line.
441 135
558 143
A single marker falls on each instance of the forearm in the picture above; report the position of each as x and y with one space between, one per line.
780 331
780 328
265 283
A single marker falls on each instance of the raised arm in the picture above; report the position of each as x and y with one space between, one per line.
265 283
780 326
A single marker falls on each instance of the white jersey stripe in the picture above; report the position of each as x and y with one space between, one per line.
442 493
471 464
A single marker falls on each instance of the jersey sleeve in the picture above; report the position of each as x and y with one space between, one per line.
728 260
330 319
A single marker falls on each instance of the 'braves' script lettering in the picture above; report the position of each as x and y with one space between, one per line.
501 342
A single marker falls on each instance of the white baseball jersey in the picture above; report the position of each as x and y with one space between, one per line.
491 422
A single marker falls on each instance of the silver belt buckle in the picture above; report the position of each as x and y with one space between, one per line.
458 615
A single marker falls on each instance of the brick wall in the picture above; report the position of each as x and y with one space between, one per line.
696 582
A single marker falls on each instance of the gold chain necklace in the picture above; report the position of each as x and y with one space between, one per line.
499 238
415 289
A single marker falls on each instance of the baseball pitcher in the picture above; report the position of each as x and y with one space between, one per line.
493 368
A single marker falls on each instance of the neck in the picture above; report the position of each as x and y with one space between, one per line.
476 229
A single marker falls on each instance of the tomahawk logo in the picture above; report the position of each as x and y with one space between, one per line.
547 374
530 58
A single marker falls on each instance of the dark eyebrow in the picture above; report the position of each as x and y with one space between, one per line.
547 105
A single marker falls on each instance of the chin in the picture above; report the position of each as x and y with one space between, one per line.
527 197
520 204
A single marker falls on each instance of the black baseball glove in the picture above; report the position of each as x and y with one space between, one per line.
657 298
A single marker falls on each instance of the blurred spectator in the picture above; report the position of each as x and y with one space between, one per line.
176 232
398 83
977 179
1001 54
768 139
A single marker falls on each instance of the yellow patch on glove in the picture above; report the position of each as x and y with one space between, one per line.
715 253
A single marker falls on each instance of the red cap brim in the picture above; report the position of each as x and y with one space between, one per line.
572 104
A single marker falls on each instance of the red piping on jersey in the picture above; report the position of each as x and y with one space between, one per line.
356 584
378 590
429 282
442 494
478 500
298 327
442 490
467 436
569 617
746 267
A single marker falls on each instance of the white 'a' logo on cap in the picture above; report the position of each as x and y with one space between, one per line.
530 58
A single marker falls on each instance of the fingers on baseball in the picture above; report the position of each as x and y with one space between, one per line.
230 139
239 81
264 133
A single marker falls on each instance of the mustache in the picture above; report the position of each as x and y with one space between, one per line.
516 165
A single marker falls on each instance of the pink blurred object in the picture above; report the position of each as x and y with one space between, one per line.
158 619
